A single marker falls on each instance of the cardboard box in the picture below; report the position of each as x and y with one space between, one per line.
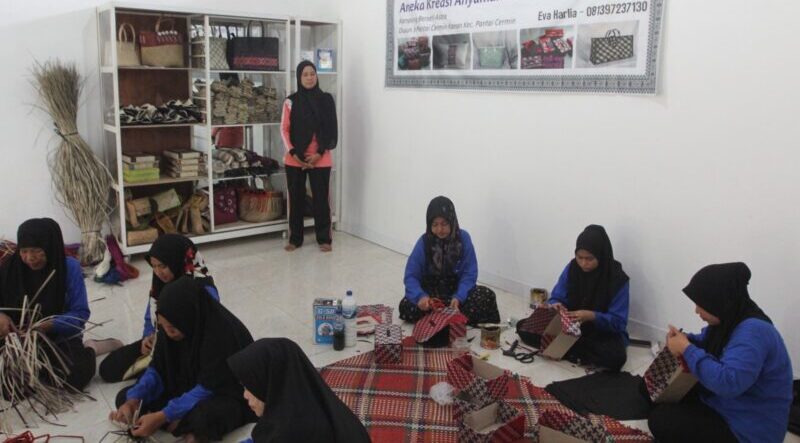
388 344
668 378
496 423
484 382
324 316
558 332
561 425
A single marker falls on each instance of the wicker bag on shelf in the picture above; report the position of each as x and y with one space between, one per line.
126 46
256 205
162 47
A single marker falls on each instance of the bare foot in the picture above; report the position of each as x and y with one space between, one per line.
289 247
326 247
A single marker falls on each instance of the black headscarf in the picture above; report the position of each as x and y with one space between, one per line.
442 255
721 290
594 290
18 280
313 112
181 257
299 405
211 335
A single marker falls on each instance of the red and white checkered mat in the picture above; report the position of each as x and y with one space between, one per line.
394 405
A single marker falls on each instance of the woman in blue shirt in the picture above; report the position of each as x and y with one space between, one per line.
170 256
188 388
595 290
40 252
443 266
740 361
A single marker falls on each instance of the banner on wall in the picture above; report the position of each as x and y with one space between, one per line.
524 45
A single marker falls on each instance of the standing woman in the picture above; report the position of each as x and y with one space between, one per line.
188 388
310 131
292 401
443 266
595 290
740 361
171 256
40 252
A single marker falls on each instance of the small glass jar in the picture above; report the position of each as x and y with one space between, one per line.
538 297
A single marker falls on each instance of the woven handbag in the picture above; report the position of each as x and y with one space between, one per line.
611 48
162 48
217 48
126 46
254 53
257 205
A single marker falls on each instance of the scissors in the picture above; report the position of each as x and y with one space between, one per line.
522 357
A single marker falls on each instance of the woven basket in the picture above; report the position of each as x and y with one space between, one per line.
259 206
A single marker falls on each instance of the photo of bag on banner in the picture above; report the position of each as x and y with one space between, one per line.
607 45
547 48
414 54
451 51
254 53
494 50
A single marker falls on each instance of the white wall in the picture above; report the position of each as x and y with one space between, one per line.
67 29
704 172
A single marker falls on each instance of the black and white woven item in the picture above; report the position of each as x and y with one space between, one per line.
611 48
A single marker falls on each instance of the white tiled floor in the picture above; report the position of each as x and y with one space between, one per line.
271 291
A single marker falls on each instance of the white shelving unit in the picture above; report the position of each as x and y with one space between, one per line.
123 85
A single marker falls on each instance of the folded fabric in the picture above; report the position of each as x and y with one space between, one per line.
618 395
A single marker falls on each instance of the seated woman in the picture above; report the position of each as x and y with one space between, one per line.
740 360
188 388
595 290
443 266
292 401
40 252
170 256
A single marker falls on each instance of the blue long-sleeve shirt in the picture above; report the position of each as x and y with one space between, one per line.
149 325
615 320
150 387
466 269
76 303
750 384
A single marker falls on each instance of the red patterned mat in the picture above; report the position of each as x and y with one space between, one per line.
393 403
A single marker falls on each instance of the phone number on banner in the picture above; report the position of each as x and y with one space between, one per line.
616 8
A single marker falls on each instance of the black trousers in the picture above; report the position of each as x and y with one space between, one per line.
210 419
600 349
689 421
80 361
479 307
320 193
116 363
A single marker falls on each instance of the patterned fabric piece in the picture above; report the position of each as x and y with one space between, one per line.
381 313
393 402
664 366
541 318
568 326
434 322
461 374
512 429
388 344
611 48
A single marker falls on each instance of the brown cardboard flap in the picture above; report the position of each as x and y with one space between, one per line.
483 420
554 327
559 346
485 370
679 385
548 435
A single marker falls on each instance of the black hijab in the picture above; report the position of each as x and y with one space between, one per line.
18 280
721 290
211 335
181 257
299 405
594 290
442 255
313 112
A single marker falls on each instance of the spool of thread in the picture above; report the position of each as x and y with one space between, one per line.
490 337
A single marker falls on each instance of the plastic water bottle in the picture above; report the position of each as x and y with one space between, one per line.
339 329
349 305
349 313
